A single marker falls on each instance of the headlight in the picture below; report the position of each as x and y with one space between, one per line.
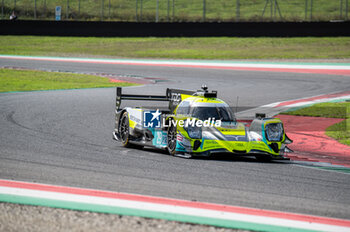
194 132
274 132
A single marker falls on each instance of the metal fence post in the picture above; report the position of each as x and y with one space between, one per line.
341 9
237 10
204 10
157 12
109 9
306 3
2 9
271 2
102 9
136 11
168 13
264 8
278 8
173 10
67 10
274 10
34 9
141 7
311 6
45 8
271 10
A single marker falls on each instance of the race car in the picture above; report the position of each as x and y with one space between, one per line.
197 123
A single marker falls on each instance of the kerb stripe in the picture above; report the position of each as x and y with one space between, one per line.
198 208
313 68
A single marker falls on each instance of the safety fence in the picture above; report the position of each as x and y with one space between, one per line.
177 10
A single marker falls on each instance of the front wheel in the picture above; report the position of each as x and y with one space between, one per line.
172 139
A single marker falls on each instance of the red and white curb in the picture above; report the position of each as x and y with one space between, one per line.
319 68
164 208
336 97
276 108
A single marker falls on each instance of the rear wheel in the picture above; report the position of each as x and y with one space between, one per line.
124 129
172 139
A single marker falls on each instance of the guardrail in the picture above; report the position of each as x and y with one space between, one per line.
133 29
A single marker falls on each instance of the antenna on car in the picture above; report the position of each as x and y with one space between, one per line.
204 92
205 87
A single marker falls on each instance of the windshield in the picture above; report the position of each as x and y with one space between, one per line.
218 113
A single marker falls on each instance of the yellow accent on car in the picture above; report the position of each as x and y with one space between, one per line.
239 130
132 124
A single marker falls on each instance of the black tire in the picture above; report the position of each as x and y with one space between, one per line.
172 139
124 129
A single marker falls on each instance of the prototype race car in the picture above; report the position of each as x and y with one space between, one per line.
197 123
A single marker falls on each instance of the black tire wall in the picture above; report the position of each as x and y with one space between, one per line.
131 29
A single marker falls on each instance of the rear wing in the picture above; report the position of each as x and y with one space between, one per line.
121 97
176 96
173 96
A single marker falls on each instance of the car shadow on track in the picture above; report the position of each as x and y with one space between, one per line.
225 157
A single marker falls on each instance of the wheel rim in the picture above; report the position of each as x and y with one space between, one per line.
172 139
124 129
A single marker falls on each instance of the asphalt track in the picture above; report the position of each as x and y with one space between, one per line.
64 138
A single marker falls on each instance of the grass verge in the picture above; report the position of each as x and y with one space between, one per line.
28 80
223 48
339 131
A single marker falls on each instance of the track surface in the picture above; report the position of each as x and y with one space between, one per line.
64 138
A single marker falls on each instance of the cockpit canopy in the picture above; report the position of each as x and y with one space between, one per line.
205 110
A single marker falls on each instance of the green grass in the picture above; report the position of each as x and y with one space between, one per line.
339 131
179 48
327 110
184 10
28 80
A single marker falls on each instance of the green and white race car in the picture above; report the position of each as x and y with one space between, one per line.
197 123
